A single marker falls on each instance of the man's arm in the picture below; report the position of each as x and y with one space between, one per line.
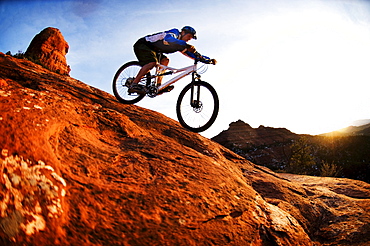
201 58
171 38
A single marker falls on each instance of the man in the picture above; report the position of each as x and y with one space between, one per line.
149 48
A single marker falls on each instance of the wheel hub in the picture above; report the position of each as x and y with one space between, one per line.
197 106
129 81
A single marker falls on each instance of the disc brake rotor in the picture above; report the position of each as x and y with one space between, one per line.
197 106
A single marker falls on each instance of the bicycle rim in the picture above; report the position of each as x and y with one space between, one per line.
197 115
123 79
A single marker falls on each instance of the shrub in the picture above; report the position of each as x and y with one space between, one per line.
329 170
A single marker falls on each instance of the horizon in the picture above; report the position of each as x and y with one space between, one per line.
356 123
294 64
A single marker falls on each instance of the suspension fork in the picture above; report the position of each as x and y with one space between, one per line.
194 102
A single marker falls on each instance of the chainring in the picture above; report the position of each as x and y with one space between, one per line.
152 91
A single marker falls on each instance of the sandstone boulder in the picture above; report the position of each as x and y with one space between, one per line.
49 49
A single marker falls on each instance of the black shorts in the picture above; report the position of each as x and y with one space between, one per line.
145 53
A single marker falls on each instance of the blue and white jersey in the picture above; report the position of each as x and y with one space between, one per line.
168 42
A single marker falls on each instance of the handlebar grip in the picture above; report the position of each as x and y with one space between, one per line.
204 59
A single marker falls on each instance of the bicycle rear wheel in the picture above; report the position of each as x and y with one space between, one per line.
123 80
201 112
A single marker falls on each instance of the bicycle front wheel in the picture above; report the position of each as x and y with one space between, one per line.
123 80
197 106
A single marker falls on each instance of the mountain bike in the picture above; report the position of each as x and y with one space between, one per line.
197 105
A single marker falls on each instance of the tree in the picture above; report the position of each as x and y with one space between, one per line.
301 160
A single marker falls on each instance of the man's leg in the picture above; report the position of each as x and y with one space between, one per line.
144 70
164 61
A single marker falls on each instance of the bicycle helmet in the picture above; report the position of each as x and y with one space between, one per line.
189 29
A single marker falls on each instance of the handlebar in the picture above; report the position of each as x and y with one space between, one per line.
204 59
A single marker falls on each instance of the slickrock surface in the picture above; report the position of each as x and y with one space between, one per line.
79 168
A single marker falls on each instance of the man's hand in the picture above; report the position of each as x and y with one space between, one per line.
191 48
207 60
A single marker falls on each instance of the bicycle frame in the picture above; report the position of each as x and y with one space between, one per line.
161 68
160 71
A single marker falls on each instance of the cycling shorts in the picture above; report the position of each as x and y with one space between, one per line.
145 53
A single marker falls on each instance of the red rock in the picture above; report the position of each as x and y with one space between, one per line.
49 48
105 173
3 82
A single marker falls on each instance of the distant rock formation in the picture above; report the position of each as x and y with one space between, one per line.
272 148
244 136
263 145
49 49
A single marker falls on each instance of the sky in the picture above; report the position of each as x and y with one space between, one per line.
298 64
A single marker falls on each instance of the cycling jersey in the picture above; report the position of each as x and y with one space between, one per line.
168 42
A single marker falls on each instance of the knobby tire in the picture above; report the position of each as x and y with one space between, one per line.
120 89
188 115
